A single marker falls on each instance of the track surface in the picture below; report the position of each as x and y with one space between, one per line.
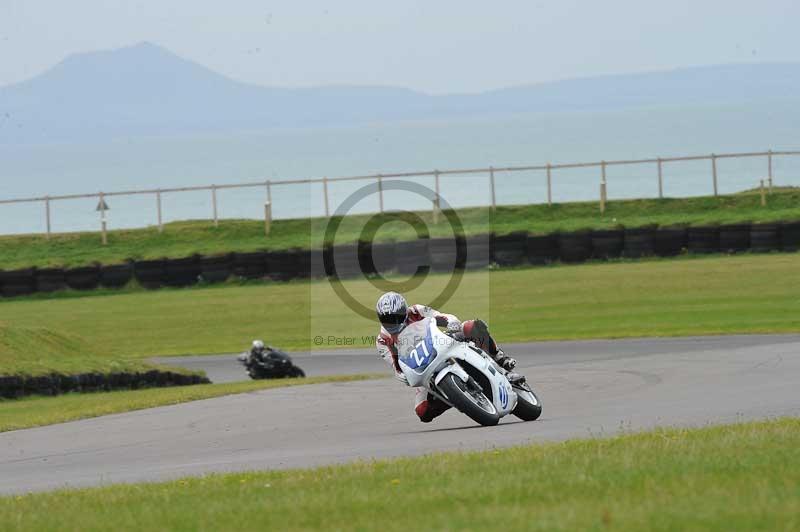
588 389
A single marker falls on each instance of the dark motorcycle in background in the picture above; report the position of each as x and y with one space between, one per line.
271 364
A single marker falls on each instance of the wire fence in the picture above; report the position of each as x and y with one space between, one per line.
272 187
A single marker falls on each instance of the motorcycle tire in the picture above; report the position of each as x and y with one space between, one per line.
528 408
256 375
296 373
469 399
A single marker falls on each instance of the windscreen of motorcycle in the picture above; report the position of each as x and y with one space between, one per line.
420 343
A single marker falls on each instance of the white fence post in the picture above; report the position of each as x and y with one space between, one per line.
603 188
491 180
714 172
436 202
325 190
47 214
380 193
214 203
269 191
158 209
103 224
769 169
267 217
549 184
660 179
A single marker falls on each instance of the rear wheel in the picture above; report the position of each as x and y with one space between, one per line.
468 398
528 408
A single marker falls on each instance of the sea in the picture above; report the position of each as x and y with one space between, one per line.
499 141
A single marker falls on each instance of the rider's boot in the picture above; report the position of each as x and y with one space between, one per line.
479 333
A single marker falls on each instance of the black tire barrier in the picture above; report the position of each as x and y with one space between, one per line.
670 241
116 275
302 263
352 260
181 272
703 240
250 265
639 242
790 236
18 282
216 269
510 249
412 257
607 243
83 278
443 254
575 247
50 279
150 273
479 251
346 261
382 258
16 386
542 249
734 238
321 264
765 237
283 265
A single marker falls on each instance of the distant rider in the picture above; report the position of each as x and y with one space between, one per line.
257 352
394 314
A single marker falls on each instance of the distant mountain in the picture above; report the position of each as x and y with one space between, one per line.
146 90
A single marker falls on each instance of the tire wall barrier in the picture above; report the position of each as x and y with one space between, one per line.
85 278
575 247
670 241
702 240
511 249
412 257
15 386
478 250
734 238
639 243
607 244
542 249
406 258
765 237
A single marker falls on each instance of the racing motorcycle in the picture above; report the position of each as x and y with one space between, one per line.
273 364
463 375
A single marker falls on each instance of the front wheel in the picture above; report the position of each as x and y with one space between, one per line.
469 399
296 373
528 408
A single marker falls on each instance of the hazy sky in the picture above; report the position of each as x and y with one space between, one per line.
433 45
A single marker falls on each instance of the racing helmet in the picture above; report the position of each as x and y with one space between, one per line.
258 346
391 309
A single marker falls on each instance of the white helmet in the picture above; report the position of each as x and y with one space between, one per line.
258 345
392 310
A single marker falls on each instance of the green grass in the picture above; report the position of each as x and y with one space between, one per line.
182 239
38 411
689 296
32 350
735 477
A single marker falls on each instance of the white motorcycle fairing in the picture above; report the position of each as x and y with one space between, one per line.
426 356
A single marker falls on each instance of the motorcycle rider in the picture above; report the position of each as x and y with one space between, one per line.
394 314
257 352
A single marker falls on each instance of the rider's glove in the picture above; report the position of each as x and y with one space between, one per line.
401 377
454 326
508 363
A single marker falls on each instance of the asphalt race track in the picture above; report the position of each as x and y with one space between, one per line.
588 389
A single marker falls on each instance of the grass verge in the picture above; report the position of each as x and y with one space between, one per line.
38 411
182 239
692 296
36 350
735 477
